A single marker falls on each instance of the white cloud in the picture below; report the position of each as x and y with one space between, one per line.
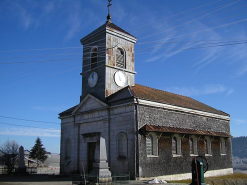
30 132
48 7
240 121
54 109
230 91
194 91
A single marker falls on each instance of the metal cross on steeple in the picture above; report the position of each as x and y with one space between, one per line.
109 15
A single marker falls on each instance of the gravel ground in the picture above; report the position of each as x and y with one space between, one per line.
52 180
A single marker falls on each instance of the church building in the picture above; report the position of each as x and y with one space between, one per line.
148 132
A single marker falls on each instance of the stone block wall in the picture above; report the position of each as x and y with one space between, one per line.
68 131
122 121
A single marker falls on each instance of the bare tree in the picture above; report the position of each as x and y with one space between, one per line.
10 150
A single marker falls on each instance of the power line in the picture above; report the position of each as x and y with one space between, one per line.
38 49
43 49
28 120
28 126
176 14
41 56
195 48
39 61
200 13
199 44
189 21
188 41
204 30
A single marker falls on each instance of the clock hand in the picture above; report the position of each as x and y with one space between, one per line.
119 78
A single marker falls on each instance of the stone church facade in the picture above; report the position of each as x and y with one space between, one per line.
148 132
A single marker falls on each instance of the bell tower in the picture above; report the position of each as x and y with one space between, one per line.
108 60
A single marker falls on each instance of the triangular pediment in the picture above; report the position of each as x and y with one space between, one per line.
89 103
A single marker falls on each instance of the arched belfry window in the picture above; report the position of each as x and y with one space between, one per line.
94 58
120 58
122 146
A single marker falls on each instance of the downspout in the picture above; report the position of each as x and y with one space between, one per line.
136 141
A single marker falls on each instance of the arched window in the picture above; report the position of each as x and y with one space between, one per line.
120 58
222 146
94 58
191 146
176 145
122 146
207 145
149 143
67 149
152 144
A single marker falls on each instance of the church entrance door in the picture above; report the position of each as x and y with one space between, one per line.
90 155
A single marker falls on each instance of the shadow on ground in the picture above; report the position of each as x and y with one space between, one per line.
33 178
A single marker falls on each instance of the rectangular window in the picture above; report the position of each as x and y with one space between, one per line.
223 146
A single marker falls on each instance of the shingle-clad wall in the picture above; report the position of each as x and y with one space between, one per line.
162 117
167 164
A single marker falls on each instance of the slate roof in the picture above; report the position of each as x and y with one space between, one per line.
157 95
115 27
102 28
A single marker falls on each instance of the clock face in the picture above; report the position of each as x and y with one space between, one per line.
120 78
92 79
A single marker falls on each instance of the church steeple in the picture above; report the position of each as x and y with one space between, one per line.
108 60
109 14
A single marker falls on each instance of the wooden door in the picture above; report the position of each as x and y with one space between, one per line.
91 152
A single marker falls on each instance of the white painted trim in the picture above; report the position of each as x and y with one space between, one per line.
183 176
182 109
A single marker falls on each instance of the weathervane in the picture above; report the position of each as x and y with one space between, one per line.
109 15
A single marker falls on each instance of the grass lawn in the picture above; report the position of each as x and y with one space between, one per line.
235 178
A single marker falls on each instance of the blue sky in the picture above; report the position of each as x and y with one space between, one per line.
189 47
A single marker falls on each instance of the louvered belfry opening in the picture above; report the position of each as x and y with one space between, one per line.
120 58
94 58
